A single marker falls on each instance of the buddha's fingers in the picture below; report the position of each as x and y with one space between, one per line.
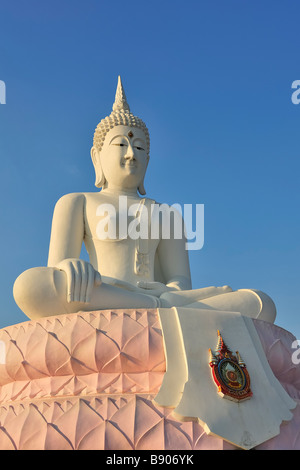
79 281
86 277
98 279
93 279
153 288
149 285
70 273
84 281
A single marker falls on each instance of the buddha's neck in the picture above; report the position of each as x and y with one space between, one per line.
116 191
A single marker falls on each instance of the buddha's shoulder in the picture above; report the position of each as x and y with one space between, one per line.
74 200
77 197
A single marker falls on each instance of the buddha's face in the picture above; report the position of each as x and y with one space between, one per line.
123 157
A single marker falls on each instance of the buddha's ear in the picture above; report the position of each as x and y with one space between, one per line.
100 178
141 187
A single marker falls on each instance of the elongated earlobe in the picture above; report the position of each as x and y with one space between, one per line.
141 188
100 178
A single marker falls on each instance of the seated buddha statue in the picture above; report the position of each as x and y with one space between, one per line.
123 271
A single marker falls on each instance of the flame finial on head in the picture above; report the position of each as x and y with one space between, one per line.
120 103
120 116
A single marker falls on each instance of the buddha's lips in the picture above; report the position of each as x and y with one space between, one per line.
129 163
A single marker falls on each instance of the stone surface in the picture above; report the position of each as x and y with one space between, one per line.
87 381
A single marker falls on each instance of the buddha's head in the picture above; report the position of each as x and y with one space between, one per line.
121 145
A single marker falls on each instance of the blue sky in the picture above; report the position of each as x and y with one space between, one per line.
211 79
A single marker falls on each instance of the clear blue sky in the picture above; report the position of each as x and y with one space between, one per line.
211 79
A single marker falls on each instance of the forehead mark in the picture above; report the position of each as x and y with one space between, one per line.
130 134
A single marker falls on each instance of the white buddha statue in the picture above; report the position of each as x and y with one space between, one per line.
122 272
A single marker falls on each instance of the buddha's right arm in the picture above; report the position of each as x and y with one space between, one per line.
65 246
67 229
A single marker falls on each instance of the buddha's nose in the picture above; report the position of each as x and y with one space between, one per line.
130 153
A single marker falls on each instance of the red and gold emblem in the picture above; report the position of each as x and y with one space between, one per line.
229 373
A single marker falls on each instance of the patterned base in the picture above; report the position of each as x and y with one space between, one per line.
86 381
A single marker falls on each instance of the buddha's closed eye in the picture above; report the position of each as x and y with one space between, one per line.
125 145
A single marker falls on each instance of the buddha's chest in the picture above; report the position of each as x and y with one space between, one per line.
119 220
119 235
